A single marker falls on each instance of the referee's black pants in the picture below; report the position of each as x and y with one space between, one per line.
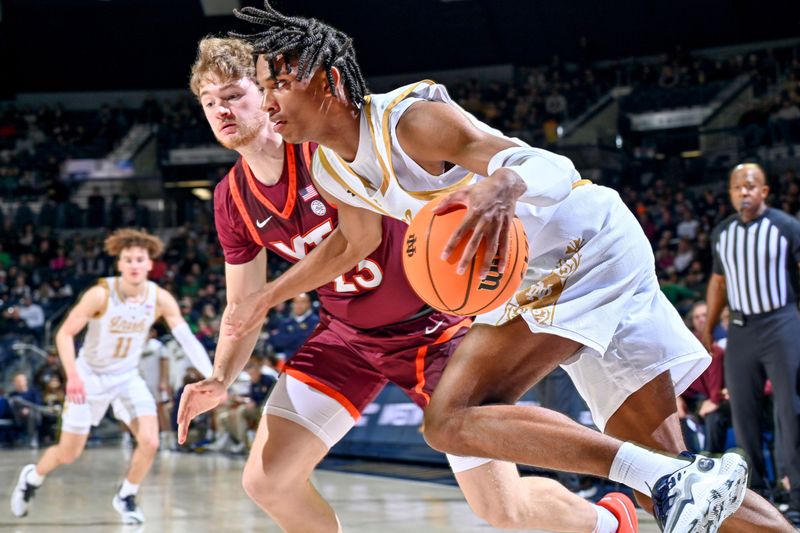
767 346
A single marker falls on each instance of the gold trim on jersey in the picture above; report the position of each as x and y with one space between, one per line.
387 140
368 185
118 290
580 183
419 195
386 172
103 283
343 183
436 193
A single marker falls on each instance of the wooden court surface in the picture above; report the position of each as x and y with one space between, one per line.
190 493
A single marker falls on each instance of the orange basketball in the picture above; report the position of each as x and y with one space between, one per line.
436 281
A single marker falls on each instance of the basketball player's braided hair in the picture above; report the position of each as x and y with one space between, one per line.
308 41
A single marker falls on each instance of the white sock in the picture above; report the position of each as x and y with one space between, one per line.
34 478
606 521
639 468
127 489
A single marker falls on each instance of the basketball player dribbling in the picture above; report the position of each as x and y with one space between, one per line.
373 328
117 313
590 300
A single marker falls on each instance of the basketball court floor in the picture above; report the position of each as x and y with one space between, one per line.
202 493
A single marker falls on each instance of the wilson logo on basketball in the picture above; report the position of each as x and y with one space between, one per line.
492 279
411 245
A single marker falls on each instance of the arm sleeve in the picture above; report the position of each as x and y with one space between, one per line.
193 349
237 245
547 176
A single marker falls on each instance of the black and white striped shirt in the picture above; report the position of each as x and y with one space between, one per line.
759 261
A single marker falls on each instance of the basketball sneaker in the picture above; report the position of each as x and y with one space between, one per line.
623 510
23 493
127 508
699 497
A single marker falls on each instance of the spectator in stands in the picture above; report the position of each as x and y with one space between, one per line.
556 105
291 332
706 397
684 256
188 312
53 400
7 424
32 314
20 289
688 226
695 279
51 367
4 288
784 122
26 404
5 258
208 326
676 292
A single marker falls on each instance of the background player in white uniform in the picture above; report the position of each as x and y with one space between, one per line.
388 153
118 312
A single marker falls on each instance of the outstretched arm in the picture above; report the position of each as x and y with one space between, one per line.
232 353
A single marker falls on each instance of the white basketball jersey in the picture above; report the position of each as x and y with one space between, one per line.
384 179
115 339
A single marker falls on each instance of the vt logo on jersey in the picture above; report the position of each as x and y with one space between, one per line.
302 244
368 273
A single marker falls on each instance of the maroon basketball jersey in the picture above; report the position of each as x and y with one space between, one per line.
290 218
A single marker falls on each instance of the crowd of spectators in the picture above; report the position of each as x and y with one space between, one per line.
43 269
35 141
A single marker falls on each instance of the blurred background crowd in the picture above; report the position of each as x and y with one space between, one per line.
726 106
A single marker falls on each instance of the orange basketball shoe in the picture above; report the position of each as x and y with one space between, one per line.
621 507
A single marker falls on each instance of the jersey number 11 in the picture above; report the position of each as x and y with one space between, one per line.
123 345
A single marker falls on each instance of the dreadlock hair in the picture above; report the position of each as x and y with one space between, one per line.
308 41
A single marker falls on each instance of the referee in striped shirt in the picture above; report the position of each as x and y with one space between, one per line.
756 256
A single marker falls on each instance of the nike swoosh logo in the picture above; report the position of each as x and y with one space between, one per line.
263 223
428 331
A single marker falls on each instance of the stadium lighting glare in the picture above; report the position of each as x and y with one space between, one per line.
201 193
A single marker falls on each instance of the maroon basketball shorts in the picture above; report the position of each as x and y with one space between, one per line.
352 365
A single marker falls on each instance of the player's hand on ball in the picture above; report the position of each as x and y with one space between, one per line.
490 213
196 399
76 393
247 315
